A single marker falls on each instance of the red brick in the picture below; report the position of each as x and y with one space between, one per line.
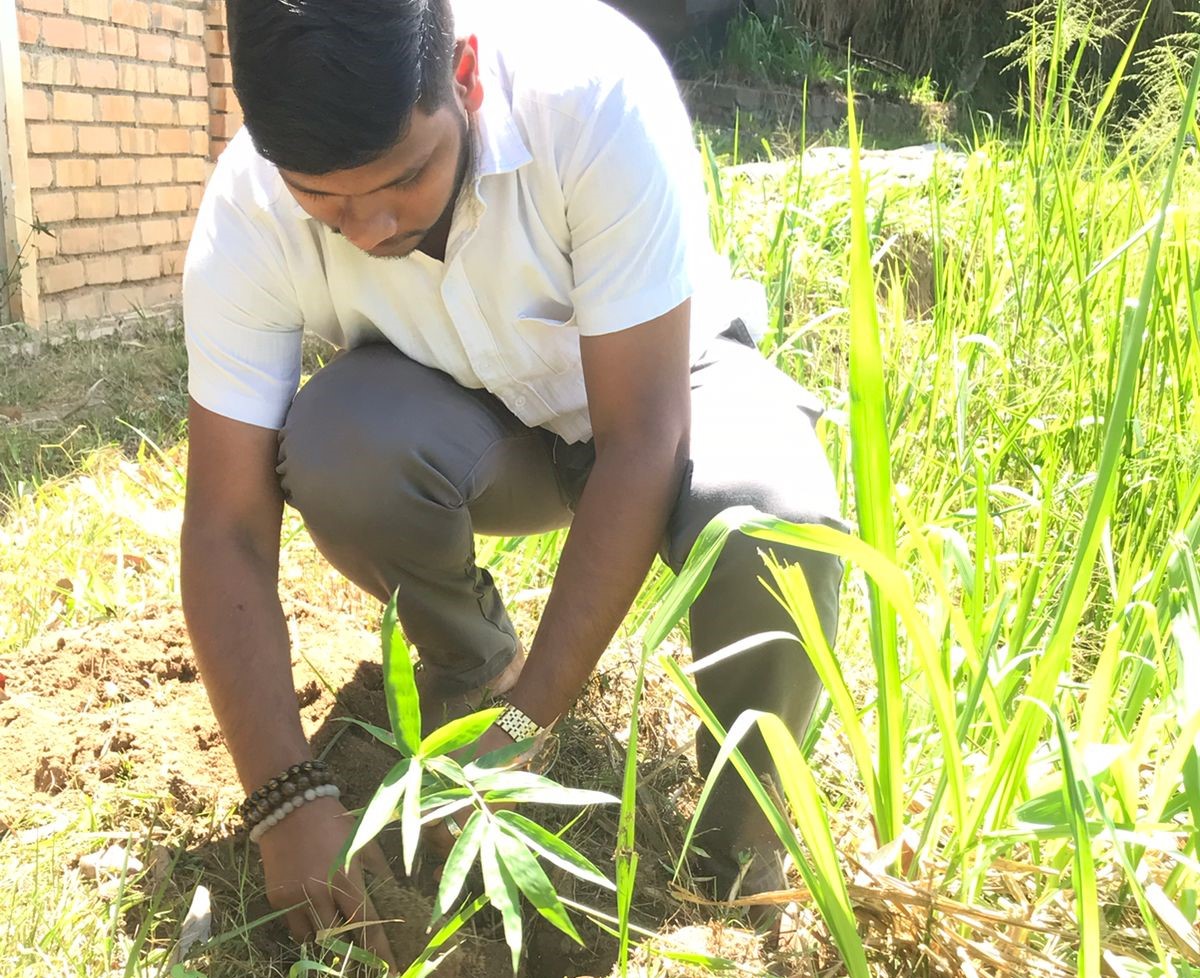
140 267
27 68
199 85
216 148
117 108
125 300
192 112
168 199
118 172
220 72
52 207
37 106
172 261
221 98
97 140
51 69
174 142
165 17
75 173
41 173
89 305
74 107
64 32
224 125
96 74
195 22
118 237
165 293
136 78
200 143
139 142
61 277
197 192
154 169
172 81
214 13
189 52
92 9
79 241
47 246
29 28
52 139
131 13
120 40
191 169
216 41
159 232
104 270
43 6
153 47
97 204
135 202
156 111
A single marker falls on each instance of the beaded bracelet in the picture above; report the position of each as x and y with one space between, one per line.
295 780
283 811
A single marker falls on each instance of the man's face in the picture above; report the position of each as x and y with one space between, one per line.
387 207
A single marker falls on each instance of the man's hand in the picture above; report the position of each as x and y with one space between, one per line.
438 837
297 856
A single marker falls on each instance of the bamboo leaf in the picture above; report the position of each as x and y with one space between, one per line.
502 892
458 864
381 809
552 847
531 879
400 684
458 733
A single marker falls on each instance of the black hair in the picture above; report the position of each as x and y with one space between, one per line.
327 85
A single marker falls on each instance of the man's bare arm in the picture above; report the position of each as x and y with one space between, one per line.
230 564
639 397
230 597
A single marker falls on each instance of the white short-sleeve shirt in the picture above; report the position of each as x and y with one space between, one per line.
587 215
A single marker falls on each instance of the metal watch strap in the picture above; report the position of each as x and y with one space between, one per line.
516 723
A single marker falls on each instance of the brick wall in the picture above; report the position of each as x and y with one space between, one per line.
225 115
116 99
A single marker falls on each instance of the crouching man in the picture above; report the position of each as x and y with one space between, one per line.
498 214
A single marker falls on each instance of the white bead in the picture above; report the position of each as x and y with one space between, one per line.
310 794
287 808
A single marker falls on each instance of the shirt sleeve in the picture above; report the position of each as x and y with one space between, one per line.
242 322
635 203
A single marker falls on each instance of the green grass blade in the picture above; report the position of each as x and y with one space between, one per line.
870 457
1087 898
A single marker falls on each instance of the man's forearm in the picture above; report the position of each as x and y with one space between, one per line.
240 639
618 527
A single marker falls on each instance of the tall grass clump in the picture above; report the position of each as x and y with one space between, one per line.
1020 456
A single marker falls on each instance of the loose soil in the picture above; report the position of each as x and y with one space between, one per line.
119 707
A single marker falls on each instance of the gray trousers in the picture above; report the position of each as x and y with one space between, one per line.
395 467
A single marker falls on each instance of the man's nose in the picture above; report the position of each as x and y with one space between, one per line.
366 226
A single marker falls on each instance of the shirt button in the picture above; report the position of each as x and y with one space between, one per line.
521 400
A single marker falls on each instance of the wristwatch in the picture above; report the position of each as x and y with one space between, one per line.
516 723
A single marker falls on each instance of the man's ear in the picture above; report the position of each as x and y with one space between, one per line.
466 73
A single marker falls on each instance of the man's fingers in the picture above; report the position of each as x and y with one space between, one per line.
374 860
356 907
322 908
299 925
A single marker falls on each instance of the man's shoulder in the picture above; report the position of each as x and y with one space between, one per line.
564 55
245 180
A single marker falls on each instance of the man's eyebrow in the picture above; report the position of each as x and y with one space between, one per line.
408 174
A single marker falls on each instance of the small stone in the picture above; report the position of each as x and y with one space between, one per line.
109 862
112 691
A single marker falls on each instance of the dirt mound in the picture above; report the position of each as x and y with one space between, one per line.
123 702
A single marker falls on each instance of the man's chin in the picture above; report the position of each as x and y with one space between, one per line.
399 249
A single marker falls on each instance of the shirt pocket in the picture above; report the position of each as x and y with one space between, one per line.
552 343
